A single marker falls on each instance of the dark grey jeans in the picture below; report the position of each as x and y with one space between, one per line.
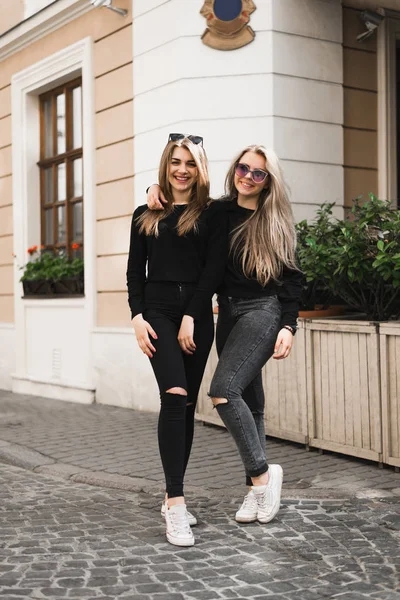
246 334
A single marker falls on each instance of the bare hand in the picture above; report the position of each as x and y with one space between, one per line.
155 198
142 330
283 344
185 335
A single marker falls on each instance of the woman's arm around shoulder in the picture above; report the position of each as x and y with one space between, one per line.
155 197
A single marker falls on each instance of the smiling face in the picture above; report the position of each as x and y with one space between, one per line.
245 186
182 170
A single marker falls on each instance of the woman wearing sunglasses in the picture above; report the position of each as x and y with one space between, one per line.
258 308
183 250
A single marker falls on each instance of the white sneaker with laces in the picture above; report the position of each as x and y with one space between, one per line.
191 518
247 513
178 528
269 496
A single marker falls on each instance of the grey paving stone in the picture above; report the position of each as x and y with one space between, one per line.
250 591
151 588
204 595
54 592
189 586
70 582
171 576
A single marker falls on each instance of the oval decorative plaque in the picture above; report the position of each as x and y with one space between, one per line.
228 23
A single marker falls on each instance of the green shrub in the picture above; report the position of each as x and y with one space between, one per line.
315 242
51 266
356 258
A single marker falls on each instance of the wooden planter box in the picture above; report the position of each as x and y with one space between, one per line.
390 384
285 393
343 387
71 286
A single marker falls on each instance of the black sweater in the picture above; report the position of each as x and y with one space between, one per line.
193 258
236 284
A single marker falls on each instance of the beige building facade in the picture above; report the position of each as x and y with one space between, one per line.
305 86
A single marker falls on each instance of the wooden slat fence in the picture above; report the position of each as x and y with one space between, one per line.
390 382
343 387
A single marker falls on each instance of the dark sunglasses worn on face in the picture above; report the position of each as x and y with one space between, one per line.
196 139
258 175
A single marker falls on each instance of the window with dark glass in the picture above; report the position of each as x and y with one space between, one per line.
61 169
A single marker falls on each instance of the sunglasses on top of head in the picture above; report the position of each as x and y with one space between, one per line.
258 175
196 139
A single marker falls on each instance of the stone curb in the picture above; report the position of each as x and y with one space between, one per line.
21 456
25 458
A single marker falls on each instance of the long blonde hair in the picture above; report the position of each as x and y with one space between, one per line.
199 199
266 241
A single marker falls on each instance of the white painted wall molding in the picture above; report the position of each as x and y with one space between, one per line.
53 67
46 21
70 393
31 7
58 320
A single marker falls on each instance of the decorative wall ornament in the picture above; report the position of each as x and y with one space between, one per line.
227 23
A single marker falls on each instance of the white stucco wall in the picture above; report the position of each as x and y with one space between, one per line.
284 90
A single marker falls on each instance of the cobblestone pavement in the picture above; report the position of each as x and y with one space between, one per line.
123 442
59 540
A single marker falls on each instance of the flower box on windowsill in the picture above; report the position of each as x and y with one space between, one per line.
42 288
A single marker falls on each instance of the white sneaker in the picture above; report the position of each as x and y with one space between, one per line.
191 518
178 528
269 496
247 513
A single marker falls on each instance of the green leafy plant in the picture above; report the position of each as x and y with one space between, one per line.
356 258
51 266
367 259
315 241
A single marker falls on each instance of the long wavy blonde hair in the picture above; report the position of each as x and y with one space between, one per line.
199 199
266 241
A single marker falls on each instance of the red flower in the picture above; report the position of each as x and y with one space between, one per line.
75 246
32 250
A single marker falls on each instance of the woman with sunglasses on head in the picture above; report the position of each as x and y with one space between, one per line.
258 308
184 250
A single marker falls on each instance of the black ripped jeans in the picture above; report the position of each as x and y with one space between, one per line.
165 305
